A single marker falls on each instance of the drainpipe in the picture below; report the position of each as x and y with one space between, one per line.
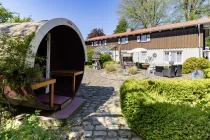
199 39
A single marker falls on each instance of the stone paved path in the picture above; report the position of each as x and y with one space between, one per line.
100 118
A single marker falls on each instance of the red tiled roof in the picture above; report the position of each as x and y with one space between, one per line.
153 29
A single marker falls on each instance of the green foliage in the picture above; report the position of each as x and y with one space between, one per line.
14 62
194 63
95 33
110 67
17 19
29 129
8 16
189 10
143 13
89 55
111 62
105 58
207 40
162 109
207 73
122 26
133 70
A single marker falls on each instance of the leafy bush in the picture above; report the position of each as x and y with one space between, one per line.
133 70
29 129
110 68
163 109
207 73
105 58
194 63
89 55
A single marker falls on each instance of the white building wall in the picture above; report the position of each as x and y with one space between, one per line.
186 53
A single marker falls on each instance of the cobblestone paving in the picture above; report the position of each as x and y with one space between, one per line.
101 117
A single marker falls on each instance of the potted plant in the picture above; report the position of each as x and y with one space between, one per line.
147 62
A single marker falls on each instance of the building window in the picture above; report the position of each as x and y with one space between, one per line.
144 38
95 43
138 39
148 37
100 43
175 56
119 42
92 43
103 42
124 40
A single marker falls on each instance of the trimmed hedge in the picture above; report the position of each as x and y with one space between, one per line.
207 73
194 63
162 109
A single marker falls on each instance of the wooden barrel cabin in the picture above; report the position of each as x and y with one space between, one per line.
61 43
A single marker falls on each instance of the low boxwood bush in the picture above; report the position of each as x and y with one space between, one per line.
194 63
167 110
207 73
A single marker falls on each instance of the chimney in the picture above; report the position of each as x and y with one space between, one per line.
129 30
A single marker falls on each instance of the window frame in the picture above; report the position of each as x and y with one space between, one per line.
95 44
145 38
176 54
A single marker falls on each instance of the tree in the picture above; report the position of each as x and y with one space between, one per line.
122 26
185 10
96 32
8 16
5 15
143 13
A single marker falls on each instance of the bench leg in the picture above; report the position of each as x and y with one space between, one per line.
52 95
73 83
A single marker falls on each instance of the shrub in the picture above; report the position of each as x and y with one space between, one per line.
89 55
111 62
133 70
105 58
207 73
163 109
194 63
110 68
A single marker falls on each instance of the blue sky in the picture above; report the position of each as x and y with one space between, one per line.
86 14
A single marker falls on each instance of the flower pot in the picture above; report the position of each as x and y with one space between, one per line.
145 66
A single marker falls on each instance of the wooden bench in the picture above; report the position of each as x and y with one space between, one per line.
46 82
71 73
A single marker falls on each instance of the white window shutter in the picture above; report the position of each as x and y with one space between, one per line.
148 37
119 41
92 43
138 39
100 43
105 42
126 39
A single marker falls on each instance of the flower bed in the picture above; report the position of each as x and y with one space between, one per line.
161 109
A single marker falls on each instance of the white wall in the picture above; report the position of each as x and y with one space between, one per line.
186 53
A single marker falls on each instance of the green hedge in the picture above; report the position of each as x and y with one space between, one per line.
165 110
207 73
194 63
